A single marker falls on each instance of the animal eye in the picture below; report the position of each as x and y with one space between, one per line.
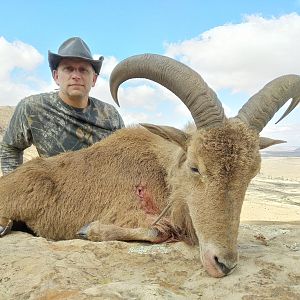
195 170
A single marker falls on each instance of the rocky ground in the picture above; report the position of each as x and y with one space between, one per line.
34 268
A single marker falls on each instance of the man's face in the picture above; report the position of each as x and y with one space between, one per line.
75 78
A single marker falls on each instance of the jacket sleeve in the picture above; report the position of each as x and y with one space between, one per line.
16 138
121 122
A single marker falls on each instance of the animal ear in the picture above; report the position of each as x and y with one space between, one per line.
169 133
265 142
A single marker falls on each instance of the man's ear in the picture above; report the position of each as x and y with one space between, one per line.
265 142
170 134
95 77
55 76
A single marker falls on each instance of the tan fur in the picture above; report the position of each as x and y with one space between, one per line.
120 185
56 196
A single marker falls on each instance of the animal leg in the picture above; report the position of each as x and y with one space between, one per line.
98 232
5 226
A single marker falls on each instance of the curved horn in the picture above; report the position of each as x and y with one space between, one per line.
202 102
261 107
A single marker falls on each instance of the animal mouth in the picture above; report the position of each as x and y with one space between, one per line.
215 267
224 269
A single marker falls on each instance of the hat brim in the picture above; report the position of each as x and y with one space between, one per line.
54 60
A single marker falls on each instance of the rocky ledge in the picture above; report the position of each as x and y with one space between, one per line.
35 268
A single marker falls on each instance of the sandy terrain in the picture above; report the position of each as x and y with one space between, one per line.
281 167
274 194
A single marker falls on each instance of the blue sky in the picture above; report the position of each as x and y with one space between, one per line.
236 46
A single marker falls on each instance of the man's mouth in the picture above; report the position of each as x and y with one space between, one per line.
76 85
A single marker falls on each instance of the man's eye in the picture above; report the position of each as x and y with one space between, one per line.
83 70
195 170
69 69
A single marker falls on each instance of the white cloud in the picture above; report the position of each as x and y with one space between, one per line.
17 56
107 66
245 56
101 90
287 132
182 110
142 95
133 119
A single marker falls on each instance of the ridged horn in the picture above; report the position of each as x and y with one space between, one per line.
261 107
186 84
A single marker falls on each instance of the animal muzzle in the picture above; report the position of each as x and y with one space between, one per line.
219 265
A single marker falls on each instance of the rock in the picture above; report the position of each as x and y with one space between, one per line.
35 268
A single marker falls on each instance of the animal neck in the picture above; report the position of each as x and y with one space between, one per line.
182 223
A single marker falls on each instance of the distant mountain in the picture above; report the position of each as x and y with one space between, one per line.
291 153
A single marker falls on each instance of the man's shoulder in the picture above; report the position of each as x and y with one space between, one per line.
102 105
106 112
39 98
37 102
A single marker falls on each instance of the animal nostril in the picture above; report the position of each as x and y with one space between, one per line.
222 266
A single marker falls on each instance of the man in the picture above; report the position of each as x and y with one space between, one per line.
61 121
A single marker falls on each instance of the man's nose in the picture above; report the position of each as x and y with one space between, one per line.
76 73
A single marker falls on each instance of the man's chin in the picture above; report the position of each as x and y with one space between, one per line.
75 98
76 95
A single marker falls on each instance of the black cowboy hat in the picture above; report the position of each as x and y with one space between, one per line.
74 47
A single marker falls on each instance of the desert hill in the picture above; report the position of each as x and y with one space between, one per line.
5 115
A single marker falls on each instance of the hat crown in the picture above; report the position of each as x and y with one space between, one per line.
75 47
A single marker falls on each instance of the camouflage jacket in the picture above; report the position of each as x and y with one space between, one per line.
54 127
